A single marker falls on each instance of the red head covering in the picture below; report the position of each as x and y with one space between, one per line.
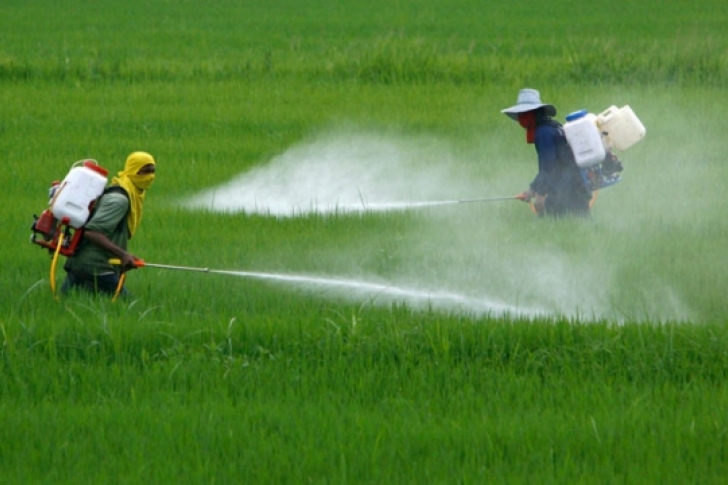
528 121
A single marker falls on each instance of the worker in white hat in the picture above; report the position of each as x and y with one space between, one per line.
558 188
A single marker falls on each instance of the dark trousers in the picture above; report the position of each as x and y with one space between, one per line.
567 206
99 284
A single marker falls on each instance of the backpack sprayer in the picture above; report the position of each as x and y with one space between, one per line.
59 228
593 137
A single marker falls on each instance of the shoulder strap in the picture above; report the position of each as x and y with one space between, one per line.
114 189
552 122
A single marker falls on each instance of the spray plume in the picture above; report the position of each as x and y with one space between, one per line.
472 258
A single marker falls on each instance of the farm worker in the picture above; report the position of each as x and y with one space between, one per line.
114 220
558 188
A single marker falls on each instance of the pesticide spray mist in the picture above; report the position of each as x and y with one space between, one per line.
339 172
464 257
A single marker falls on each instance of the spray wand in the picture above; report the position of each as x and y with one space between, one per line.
143 264
480 199
414 205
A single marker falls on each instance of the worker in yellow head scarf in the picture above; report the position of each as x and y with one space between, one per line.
135 179
115 218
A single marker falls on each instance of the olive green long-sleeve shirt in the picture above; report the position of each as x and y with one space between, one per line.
109 218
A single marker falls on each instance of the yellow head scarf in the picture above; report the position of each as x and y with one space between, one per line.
135 185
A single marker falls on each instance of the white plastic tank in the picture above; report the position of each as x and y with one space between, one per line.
82 186
583 135
621 127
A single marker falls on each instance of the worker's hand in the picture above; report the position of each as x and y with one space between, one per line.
525 196
128 262
539 203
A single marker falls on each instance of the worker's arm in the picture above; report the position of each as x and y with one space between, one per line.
101 240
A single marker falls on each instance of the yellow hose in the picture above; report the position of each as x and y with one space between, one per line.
117 261
54 263
594 198
119 287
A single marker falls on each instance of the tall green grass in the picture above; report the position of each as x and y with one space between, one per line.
399 59
204 378
420 42
373 395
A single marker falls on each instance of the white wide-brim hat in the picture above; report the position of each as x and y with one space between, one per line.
528 100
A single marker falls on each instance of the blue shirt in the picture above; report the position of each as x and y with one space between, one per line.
558 176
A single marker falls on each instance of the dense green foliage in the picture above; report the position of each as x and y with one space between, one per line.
212 378
565 41
369 396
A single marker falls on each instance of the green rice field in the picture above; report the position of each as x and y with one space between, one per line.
336 343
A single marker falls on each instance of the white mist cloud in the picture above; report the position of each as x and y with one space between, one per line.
479 258
338 172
